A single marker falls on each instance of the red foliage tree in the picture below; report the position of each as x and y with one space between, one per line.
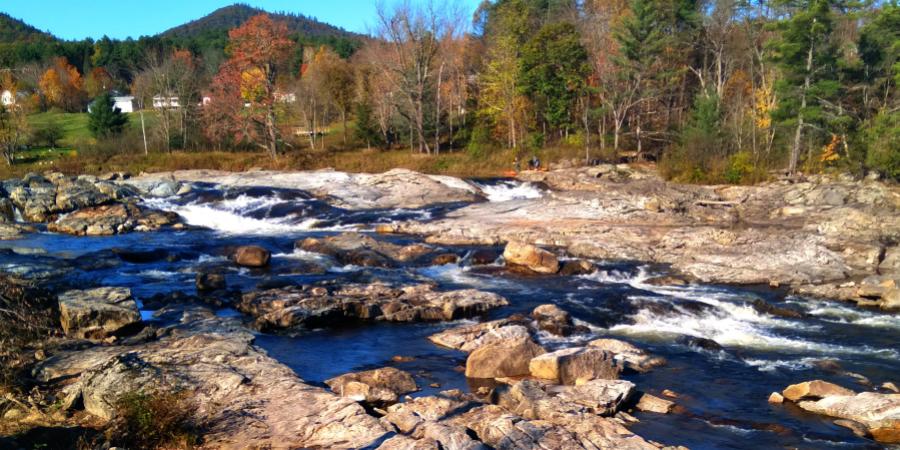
242 94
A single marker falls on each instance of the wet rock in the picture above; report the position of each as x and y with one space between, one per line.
778 311
484 257
857 428
444 259
507 358
879 413
209 282
97 313
530 257
13 231
376 387
315 306
363 250
652 403
112 219
667 280
601 396
252 256
574 365
816 389
469 337
141 257
776 398
554 320
7 211
631 356
700 343
577 267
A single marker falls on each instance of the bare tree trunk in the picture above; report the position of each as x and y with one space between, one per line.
798 134
144 131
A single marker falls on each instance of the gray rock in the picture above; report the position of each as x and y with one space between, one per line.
97 313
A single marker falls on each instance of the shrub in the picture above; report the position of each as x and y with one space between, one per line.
153 420
49 134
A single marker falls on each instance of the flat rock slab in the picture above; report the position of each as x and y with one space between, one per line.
879 413
318 306
467 338
574 365
506 358
364 250
97 313
112 219
814 390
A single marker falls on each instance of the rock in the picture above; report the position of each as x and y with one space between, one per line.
444 259
776 398
252 256
97 313
816 389
377 387
243 397
506 358
483 257
890 301
530 257
890 386
879 413
574 365
773 310
7 211
857 428
112 219
652 403
577 267
363 250
316 306
469 337
633 358
554 320
667 280
603 397
209 282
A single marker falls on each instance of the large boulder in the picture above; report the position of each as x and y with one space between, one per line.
376 387
97 313
633 358
508 358
813 390
532 258
469 337
316 306
252 256
574 365
363 250
555 320
878 413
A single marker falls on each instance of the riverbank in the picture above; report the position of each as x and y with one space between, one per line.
266 308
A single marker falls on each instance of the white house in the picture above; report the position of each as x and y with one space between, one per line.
160 102
7 98
125 103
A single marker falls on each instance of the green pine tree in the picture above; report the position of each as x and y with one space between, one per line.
807 57
366 128
104 119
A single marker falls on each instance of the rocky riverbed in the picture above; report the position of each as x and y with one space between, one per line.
586 308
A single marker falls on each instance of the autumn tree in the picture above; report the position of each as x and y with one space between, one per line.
62 86
13 122
258 51
98 82
338 81
171 83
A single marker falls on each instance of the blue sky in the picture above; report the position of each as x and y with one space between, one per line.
70 19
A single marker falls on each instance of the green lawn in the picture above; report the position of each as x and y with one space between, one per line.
75 125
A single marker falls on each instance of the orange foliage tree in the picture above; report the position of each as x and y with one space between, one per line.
242 94
62 86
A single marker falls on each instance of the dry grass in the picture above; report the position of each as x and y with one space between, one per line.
458 163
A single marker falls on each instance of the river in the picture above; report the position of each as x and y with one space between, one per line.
722 391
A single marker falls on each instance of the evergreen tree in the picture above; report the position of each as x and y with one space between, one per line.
104 118
366 128
807 57
554 72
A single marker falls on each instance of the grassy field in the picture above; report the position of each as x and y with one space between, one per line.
74 156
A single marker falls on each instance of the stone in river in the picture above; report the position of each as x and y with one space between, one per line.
652 403
252 256
208 282
97 313
377 387
554 320
879 413
528 256
635 358
574 365
469 337
508 358
816 389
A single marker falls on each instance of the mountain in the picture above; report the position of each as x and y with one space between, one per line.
13 30
224 19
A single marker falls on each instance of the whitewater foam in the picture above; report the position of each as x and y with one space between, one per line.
506 190
229 216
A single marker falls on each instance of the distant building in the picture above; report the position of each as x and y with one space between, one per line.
7 98
285 97
124 103
163 102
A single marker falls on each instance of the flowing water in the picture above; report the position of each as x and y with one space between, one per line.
723 389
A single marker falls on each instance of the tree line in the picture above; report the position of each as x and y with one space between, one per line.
713 90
